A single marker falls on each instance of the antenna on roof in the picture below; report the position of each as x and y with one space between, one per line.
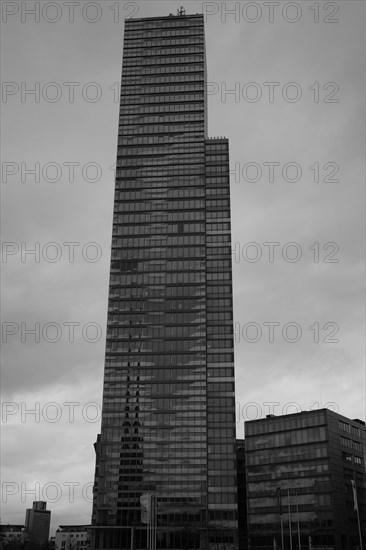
181 11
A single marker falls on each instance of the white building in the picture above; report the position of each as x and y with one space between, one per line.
72 537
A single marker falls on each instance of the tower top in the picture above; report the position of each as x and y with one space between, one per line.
181 11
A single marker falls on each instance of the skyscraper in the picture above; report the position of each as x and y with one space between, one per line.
168 423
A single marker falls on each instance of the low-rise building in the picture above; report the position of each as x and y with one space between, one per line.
306 481
72 537
12 534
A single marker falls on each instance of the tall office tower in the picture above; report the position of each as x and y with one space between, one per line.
37 523
165 472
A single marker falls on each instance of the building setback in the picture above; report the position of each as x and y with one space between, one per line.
165 458
303 471
37 523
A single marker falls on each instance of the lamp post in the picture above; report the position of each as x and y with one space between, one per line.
289 517
279 502
295 486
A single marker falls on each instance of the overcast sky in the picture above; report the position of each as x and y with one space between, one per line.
295 121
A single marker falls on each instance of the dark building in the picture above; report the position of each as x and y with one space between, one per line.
12 536
304 471
166 453
242 494
37 523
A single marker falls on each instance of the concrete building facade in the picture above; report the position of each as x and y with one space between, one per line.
306 481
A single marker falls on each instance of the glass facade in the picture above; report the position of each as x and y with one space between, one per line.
299 472
168 420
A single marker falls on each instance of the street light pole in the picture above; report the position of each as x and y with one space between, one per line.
298 521
289 517
279 501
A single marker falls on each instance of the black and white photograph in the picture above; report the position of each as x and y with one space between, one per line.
183 275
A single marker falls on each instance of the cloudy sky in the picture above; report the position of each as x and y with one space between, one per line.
286 86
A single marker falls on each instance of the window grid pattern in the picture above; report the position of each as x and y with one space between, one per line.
170 285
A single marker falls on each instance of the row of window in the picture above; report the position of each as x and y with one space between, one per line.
220 372
174 21
350 443
214 289
219 330
167 160
274 456
169 108
137 373
174 69
164 100
285 424
159 79
123 306
217 168
161 149
295 437
159 42
157 229
162 252
159 128
161 267
163 60
159 240
352 459
217 157
166 217
143 254
153 206
126 120
157 51
142 318
178 138
131 34
212 146
349 428
217 344
162 183
219 276
216 180
167 89
220 465
154 332
169 346
220 358
169 193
